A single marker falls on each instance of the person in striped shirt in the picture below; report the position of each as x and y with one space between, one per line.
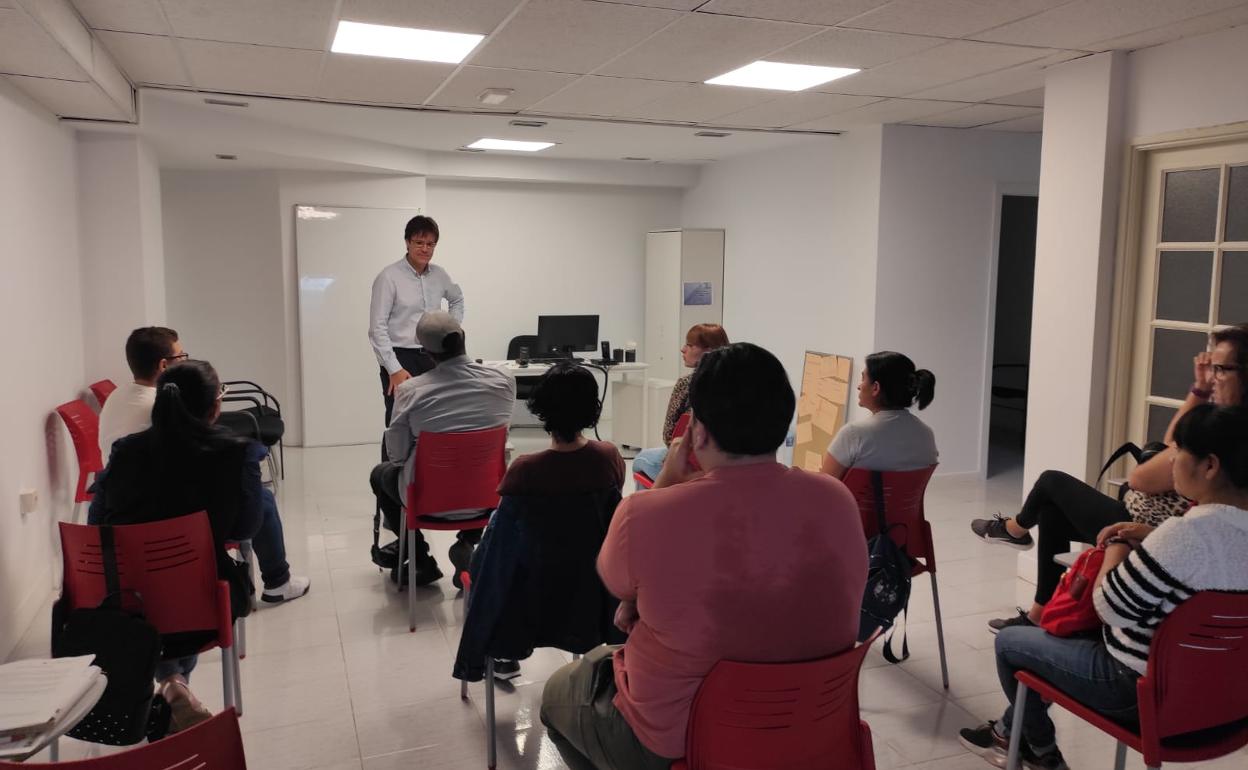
1140 583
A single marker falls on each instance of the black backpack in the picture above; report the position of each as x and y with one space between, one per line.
126 648
888 581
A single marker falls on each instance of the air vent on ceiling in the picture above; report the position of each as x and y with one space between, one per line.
527 123
712 134
226 103
221 156
633 157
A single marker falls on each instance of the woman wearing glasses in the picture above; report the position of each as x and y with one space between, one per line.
1069 510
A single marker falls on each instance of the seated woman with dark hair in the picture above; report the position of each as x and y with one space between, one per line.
892 438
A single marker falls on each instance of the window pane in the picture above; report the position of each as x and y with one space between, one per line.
1233 293
1159 418
1173 352
1183 285
1237 205
1190 211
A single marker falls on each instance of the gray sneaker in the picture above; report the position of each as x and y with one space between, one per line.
994 531
1020 619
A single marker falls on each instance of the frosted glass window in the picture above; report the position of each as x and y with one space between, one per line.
1233 293
1190 209
1173 351
1237 205
1183 279
1159 418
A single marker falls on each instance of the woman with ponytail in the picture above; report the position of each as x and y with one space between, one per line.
892 438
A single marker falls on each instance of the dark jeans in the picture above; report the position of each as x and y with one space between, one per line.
269 543
183 666
1081 667
1067 511
415 361
385 483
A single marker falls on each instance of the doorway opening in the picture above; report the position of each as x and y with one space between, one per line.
1011 349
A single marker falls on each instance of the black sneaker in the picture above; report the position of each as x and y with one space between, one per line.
994 531
1049 760
461 559
1020 619
983 741
506 669
387 555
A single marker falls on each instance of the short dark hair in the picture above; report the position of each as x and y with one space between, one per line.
565 399
420 224
1217 430
146 348
452 346
742 395
900 383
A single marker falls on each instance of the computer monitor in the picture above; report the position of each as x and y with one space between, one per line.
562 335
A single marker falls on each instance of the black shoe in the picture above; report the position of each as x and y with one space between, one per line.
506 669
427 572
461 559
1020 619
387 555
994 531
1049 760
983 741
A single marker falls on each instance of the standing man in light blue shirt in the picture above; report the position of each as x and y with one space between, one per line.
402 293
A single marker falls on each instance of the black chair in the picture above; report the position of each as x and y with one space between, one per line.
524 386
261 421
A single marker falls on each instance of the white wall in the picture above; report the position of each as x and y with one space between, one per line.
1192 83
41 334
800 245
939 202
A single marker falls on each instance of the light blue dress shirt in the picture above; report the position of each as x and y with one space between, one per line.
400 297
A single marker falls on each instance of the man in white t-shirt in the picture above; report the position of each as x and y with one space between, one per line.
149 351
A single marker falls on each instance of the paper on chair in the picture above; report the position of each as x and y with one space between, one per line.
35 692
814 462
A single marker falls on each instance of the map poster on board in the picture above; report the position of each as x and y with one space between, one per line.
821 406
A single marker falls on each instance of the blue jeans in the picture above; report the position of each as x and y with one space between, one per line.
183 666
1081 667
269 543
650 461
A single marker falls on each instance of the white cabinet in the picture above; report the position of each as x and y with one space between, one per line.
680 262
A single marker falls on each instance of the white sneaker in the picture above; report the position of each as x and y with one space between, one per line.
291 589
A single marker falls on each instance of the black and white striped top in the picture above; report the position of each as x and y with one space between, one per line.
1205 550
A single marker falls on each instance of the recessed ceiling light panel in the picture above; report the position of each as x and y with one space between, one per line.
509 144
403 42
780 77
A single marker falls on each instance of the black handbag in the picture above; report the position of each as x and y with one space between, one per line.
126 648
1140 456
888 581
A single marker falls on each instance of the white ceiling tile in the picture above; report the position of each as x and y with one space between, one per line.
1032 98
1201 25
529 86
26 49
700 46
886 111
478 17
250 69
148 59
696 103
124 15
975 115
569 35
595 95
1082 23
793 108
675 5
384 81
950 62
854 48
826 12
280 23
70 99
948 18
1011 80
1033 124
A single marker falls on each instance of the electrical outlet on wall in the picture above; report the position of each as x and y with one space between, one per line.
29 501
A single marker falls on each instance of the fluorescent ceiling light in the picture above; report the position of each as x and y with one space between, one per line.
403 42
780 77
509 144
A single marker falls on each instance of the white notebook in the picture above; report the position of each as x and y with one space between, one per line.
35 693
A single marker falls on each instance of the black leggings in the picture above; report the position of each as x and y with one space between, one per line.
1067 511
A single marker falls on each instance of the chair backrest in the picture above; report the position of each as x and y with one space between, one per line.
102 390
457 471
780 716
84 429
214 744
171 565
903 505
1198 667
521 341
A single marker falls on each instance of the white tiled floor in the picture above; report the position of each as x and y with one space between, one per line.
334 681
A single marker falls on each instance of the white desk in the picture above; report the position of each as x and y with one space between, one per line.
622 371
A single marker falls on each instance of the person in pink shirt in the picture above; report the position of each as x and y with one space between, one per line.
749 560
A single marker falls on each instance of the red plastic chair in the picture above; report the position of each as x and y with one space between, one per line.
453 472
780 716
214 744
102 390
678 430
84 429
172 566
1193 702
903 505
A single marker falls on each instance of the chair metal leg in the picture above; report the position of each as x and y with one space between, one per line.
281 451
463 689
940 632
1016 729
54 750
227 677
249 558
411 580
492 737
398 569
1120 756
236 671
240 638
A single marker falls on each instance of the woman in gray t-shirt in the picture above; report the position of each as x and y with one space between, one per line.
892 438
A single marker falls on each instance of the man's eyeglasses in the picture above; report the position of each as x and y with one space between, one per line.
1221 370
224 390
178 357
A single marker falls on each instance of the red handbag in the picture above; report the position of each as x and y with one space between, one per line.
1071 610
